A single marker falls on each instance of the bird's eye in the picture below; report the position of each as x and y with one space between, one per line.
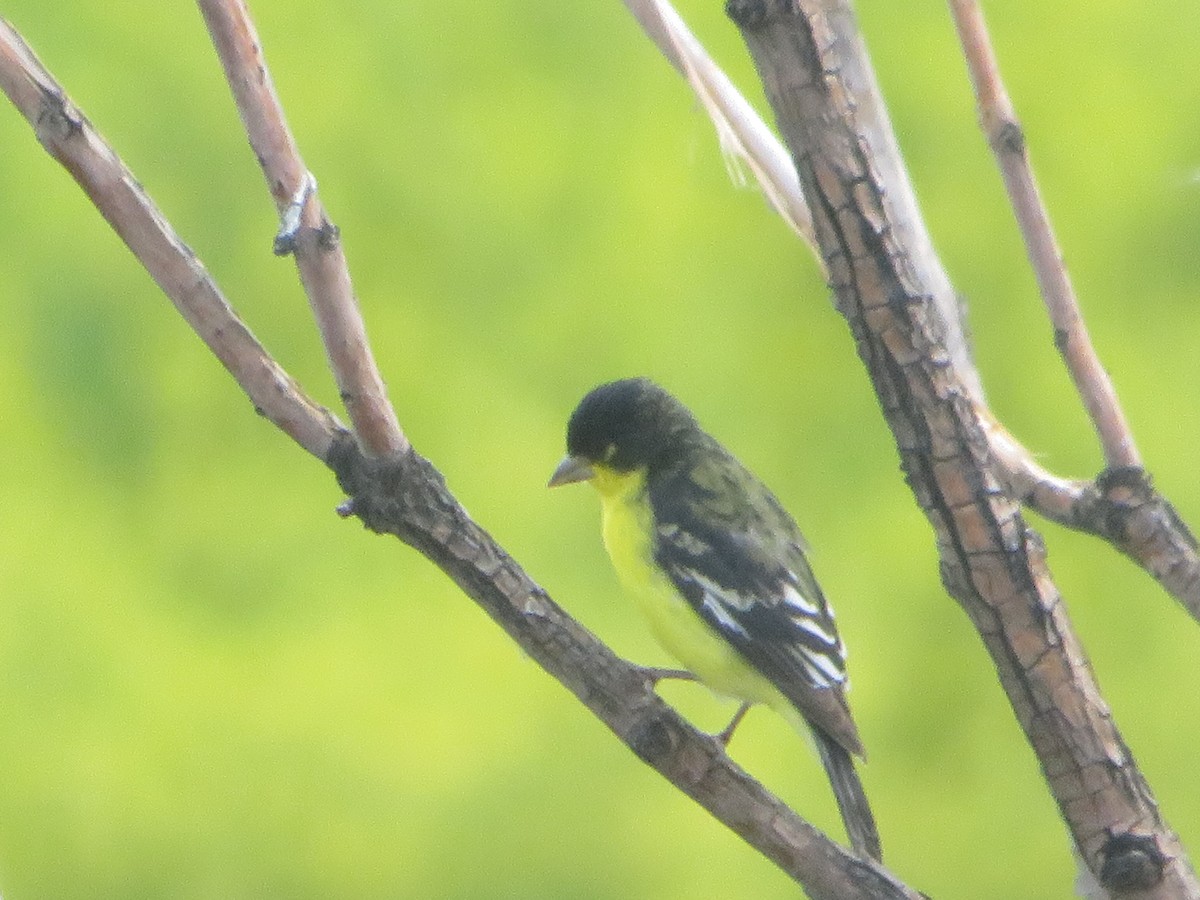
609 452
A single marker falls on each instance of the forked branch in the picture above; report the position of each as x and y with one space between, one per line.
316 246
819 82
399 492
1121 506
69 137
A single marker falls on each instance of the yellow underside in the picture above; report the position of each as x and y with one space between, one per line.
677 627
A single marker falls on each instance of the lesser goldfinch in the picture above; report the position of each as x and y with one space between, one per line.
718 567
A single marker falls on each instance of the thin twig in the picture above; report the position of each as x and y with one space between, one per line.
1121 507
70 138
318 252
1030 483
742 133
999 123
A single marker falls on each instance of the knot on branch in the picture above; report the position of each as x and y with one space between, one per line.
390 495
57 120
1131 862
1007 136
1120 492
749 13
298 238
1126 492
653 740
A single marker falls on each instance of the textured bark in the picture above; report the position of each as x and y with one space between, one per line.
905 325
408 498
401 493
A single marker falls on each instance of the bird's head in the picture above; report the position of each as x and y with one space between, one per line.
622 427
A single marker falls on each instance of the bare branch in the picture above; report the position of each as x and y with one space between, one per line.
820 83
657 19
999 122
408 498
318 251
1169 555
742 133
1121 506
404 495
70 138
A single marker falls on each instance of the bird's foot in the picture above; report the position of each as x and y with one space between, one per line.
726 734
654 674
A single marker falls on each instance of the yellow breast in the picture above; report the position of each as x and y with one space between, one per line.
628 531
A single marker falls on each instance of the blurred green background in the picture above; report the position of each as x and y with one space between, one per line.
212 687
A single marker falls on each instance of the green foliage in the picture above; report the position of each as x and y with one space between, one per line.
212 687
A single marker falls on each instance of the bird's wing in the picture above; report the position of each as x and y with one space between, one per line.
738 558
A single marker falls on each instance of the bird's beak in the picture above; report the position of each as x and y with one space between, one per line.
571 470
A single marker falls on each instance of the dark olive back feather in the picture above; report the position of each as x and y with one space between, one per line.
737 557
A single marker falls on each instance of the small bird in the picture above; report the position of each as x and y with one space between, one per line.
718 567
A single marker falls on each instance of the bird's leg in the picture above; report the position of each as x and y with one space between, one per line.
655 674
726 734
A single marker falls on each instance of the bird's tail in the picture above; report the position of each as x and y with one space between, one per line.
851 800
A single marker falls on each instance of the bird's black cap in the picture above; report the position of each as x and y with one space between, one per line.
628 424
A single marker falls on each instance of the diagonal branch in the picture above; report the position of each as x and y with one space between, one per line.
1122 505
404 495
1004 134
1134 518
658 19
317 247
741 132
70 138
819 81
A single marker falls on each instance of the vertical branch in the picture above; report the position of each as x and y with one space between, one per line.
317 248
999 122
